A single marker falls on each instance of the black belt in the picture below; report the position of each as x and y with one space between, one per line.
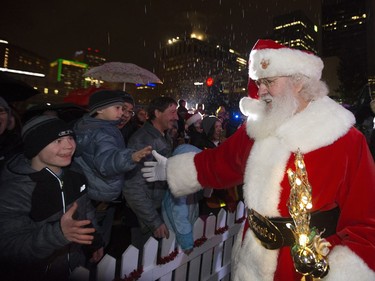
273 233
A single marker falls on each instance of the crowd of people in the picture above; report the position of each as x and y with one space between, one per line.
63 182
71 176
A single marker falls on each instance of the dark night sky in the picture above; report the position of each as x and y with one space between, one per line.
137 28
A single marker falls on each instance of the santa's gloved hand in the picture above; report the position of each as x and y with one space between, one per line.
155 171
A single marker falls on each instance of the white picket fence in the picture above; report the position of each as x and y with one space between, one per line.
210 259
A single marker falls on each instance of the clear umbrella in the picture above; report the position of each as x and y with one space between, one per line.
122 72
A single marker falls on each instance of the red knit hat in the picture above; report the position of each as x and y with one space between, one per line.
271 59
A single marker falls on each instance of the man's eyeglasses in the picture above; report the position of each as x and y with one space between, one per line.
129 112
268 82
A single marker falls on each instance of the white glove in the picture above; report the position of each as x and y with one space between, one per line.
155 171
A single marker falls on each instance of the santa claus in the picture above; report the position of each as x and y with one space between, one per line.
288 111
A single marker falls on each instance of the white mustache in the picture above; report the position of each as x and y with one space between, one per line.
267 98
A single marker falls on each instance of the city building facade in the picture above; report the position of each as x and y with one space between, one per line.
345 34
24 65
68 74
92 57
200 70
296 30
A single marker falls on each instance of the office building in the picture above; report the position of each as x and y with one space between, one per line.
68 74
201 70
23 65
92 57
345 34
296 30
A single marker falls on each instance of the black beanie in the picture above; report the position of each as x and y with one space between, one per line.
128 98
40 131
102 99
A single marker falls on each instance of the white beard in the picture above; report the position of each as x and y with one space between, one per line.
272 115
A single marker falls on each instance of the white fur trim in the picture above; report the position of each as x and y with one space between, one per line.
320 124
346 265
194 118
283 62
251 261
251 107
262 188
182 174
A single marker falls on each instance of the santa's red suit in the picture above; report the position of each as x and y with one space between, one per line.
340 170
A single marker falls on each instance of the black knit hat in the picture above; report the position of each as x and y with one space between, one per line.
102 99
128 98
40 131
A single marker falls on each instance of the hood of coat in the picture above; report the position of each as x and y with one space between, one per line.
90 123
87 127
17 165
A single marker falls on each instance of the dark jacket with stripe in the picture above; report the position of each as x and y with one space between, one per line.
32 244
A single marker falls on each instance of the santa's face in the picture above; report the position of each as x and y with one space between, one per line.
278 101
270 89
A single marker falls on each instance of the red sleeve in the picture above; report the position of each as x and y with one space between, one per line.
356 227
224 166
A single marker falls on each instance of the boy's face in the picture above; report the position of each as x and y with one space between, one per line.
55 155
110 113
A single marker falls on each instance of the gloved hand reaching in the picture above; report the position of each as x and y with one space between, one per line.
155 171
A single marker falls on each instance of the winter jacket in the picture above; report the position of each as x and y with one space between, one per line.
145 198
32 245
102 156
202 142
180 213
10 144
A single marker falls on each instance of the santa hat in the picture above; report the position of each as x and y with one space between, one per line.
270 59
193 118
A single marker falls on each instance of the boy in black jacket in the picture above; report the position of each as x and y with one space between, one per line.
46 219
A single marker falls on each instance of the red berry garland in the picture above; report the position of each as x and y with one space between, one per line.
136 274
166 259
133 276
240 220
199 242
221 230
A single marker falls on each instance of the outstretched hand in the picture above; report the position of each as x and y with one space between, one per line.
155 171
138 155
76 230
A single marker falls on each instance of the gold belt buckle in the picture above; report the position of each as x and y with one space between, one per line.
267 233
